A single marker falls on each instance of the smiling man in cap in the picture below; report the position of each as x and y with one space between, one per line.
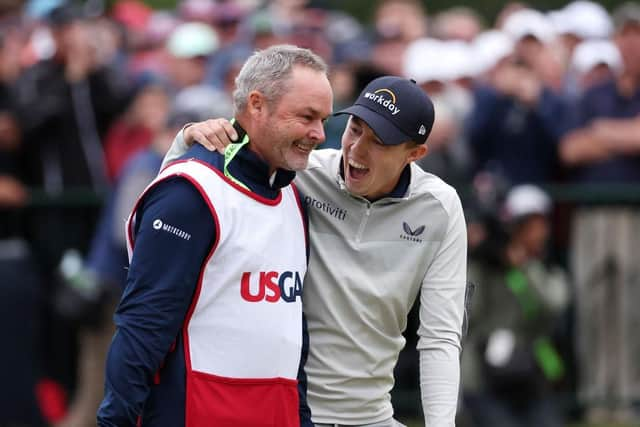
387 130
382 232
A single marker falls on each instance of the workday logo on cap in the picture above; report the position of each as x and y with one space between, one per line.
396 109
384 97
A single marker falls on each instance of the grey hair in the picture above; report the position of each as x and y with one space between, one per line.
267 71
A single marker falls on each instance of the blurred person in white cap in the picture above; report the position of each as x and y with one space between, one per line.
602 147
594 62
536 44
580 21
437 66
491 48
189 47
513 363
512 129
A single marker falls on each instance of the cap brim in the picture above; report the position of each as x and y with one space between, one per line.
384 129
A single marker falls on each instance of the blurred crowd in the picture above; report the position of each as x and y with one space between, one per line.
92 93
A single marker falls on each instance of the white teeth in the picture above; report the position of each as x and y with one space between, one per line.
303 146
356 165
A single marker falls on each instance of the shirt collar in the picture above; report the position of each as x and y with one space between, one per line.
251 170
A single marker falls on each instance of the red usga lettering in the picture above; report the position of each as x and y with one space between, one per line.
268 280
272 286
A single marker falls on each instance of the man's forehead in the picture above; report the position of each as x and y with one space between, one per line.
312 93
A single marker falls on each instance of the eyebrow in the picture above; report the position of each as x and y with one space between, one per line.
358 121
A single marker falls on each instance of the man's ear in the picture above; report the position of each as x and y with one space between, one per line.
417 152
256 103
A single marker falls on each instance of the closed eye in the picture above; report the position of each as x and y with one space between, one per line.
355 130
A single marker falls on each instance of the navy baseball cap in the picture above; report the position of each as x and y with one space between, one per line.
396 109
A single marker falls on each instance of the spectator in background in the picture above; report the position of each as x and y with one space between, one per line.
21 290
511 362
350 49
12 191
406 19
491 48
138 126
594 62
228 20
579 21
603 147
513 127
189 46
457 23
132 20
436 65
535 45
262 32
144 37
310 31
507 10
284 13
65 104
396 24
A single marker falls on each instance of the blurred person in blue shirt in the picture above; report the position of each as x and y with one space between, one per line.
513 127
602 147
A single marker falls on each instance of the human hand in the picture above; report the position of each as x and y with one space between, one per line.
583 146
213 134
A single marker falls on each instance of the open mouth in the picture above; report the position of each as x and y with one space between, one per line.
357 170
